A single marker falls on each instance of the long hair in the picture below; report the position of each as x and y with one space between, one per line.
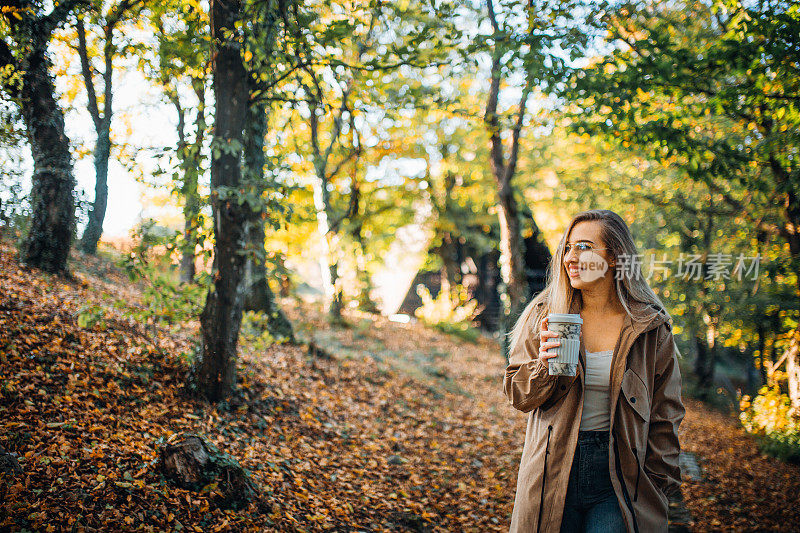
558 295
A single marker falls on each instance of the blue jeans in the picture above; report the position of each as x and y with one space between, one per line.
591 505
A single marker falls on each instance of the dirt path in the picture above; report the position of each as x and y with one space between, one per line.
740 489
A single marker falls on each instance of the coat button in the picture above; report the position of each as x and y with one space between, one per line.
633 399
563 387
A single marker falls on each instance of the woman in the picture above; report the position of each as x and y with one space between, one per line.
601 448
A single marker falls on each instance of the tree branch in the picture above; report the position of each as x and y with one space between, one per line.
108 56
176 102
511 166
119 10
349 157
492 120
86 69
337 124
492 16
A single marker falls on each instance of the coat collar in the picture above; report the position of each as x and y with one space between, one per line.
651 317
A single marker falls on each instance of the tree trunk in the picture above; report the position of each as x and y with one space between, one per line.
47 244
191 212
451 266
762 347
336 300
192 161
793 370
512 247
258 295
102 126
365 301
94 226
283 279
512 254
215 371
328 259
704 363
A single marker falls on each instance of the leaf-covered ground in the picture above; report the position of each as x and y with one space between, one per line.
742 489
383 427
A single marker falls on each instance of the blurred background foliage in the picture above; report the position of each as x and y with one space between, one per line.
681 116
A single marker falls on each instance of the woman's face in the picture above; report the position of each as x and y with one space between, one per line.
585 268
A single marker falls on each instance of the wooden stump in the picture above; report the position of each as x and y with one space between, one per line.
191 463
185 463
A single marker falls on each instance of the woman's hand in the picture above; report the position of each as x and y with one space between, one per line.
544 344
528 384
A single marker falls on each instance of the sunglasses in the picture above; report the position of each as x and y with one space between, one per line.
581 247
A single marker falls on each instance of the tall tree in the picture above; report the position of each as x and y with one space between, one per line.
215 370
267 65
258 295
329 221
504 166
531 48
357 54
190 155
711 90
331 158
27 30
107 25
182 58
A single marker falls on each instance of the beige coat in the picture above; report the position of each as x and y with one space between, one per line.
646 410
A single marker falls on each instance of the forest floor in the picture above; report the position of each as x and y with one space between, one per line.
386 427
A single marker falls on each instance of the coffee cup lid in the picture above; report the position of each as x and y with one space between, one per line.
572 318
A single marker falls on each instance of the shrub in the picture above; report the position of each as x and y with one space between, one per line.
91 315
165 300
451 312
255 330
770 417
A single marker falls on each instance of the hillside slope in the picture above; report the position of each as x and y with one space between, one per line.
382 427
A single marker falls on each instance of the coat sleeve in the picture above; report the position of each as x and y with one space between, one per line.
666 413
527 383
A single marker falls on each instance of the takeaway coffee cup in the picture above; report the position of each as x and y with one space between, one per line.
568 327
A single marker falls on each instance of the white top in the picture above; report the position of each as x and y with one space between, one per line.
596 401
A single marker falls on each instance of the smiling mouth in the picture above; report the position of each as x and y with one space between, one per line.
573 271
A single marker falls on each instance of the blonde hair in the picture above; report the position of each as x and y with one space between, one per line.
558 294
